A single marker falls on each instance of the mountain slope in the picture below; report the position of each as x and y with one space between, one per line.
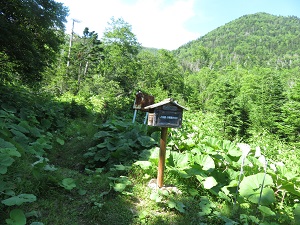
259 39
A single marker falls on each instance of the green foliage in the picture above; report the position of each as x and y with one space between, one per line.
242 82
19 200
17 217
257 39
120 54
224 101
118 141
20 22
85 53
25 140
297 212
206 206
160 71
165 197
250 188
68 183
214 165
289 128
194 58
262 93
120 184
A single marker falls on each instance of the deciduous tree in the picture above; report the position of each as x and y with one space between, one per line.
31 34
120 54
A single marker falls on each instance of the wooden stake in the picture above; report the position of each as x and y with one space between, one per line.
162 156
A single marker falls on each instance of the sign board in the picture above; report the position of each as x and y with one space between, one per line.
166 113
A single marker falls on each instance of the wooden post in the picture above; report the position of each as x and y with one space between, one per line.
162 156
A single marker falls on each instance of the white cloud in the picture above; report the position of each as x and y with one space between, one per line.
155 23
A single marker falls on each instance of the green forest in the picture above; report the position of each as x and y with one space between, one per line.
71 154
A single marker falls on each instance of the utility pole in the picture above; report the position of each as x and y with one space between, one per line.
71 40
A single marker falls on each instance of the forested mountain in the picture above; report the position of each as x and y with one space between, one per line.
259 39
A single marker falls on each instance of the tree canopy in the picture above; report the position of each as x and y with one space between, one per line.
31 33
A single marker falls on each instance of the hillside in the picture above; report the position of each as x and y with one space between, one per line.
259 39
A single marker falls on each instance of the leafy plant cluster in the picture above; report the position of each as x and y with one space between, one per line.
205 168
119 141
258 189
19 140
29 131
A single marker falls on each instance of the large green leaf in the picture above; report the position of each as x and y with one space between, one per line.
102 134
146 141
17 217
205 161
267 197
231 148
178 160
18 128
177 205
6 186
212 142
110 146
68 183
39 146
119 187
156 197
206 206
121 184
102 145
20 199
152 153
143 164
234 152
60 141
196 170
266 211
19 136
189 142
8 108
46 124
35 132
209 182
296 212
102 155
289 187
5 161
8 148
250 188
10 152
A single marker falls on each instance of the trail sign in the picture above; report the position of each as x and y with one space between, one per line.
167 113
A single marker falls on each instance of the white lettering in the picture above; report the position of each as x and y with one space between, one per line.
169 117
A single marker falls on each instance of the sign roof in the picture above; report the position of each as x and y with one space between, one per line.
164 102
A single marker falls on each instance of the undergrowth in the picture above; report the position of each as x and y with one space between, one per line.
58 168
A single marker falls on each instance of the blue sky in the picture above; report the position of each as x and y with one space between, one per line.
169 24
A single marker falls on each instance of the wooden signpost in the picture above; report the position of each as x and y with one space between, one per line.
165 114
162 156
